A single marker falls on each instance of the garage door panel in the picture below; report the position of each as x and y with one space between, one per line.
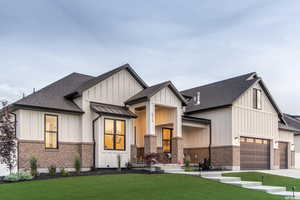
255 153
283 149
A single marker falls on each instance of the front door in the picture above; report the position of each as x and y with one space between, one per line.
167 140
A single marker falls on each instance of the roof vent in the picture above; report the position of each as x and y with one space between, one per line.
197 99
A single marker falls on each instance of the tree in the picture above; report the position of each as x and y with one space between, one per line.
8 143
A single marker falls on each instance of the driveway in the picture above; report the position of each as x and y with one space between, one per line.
293 173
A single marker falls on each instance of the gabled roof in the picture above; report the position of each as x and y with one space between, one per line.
219 94
53 95
78 91
112 110
224 93
292 123
147 93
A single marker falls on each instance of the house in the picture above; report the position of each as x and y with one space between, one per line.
235 123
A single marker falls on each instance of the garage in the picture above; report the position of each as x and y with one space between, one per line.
283 151
254 153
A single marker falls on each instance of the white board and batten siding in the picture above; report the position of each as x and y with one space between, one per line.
194 137
251 122
114 90
221 125
297 151
109 158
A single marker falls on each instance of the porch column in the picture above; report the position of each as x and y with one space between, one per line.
150 137
177 140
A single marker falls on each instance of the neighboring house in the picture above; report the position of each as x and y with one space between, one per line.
235 123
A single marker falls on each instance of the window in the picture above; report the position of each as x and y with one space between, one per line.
166 139
114 134
257 100
51 131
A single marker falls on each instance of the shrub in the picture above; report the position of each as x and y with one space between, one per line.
64 172
20 176
129 165
77 165
14 177
152 158
52 170
33 167
187 163
25 176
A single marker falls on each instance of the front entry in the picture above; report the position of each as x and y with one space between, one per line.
167 144
255 153
283 149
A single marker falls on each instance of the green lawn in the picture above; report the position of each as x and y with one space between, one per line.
269 179
131 187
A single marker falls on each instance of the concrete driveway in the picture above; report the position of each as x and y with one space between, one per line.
293 173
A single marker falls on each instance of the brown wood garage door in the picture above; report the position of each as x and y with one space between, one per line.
255 153
283 149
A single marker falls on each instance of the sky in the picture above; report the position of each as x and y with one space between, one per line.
190 43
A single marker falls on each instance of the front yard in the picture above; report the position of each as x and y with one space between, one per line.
268 179
128 187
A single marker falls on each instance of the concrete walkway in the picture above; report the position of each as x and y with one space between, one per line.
292 173
217 176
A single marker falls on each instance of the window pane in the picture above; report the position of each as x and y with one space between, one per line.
51 140
259 99
120 142
109 126
258 141
251 140
167 134
166 146
120 126
255 98
109 142
242 139
51 123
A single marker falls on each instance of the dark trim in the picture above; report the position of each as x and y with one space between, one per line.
57 131
207 109
94 141
136 101
129 115
114 135
170 140
210 145
37 108
196 119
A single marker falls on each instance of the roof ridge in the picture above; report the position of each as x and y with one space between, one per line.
213 83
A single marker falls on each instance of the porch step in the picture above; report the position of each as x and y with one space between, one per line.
244 183
224 179
268 189
211 174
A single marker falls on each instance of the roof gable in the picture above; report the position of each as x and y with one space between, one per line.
147 93
78 91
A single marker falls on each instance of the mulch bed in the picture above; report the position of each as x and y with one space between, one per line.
45 176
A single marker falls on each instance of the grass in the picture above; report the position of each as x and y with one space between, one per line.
269 179
128 187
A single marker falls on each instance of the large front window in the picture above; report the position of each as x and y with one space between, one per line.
51 131
114 134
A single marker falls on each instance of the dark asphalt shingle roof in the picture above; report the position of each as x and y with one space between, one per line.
112 110
218 94
53 95
78 91
292 123
147 93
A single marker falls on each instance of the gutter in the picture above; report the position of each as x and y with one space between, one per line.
94 141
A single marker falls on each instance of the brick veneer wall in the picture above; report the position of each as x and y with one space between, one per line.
62 157
225 156
196 155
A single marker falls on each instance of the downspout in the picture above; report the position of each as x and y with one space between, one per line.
210 143
94 142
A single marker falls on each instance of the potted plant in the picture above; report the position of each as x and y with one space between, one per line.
152 159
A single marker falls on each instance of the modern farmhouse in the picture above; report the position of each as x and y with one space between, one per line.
235 123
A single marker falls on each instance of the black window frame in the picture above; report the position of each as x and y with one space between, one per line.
170 140
256 100
57 130
114 135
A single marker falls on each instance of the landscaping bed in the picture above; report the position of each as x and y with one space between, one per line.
45 176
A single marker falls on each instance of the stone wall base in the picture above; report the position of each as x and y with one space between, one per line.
177 150
225 157
196 155
150 144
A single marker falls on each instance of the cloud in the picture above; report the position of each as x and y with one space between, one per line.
190 43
